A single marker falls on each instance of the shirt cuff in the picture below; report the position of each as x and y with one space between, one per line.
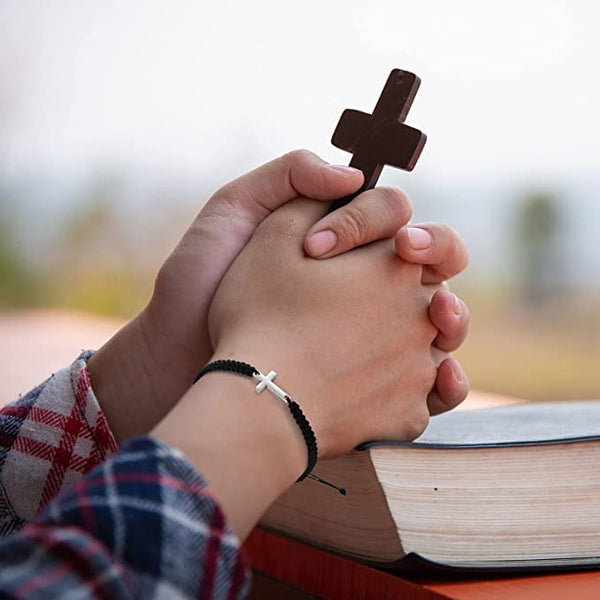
49 438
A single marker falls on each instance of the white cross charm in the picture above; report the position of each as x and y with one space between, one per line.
266 381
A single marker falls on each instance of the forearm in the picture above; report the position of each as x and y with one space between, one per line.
247 447
138 377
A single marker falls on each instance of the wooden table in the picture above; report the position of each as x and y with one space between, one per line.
285 569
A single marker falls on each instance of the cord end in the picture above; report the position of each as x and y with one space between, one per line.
341 490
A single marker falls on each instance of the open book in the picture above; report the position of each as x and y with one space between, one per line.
515 486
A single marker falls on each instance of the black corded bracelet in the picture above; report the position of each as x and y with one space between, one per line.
266 382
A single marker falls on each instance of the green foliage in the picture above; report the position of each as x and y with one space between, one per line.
89 264
18 283
100 290
94 268
510 351
537 221
536 269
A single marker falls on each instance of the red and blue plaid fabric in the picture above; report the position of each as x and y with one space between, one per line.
49 438
137 524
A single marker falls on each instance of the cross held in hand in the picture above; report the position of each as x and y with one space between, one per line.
381 138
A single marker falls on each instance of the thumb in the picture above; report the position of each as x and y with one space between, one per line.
373 215
253 196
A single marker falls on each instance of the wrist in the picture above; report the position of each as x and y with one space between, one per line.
297 374
178 350
246 446
137 377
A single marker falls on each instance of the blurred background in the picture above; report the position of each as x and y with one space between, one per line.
118 120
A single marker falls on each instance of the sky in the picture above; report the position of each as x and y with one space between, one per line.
195 93
509 89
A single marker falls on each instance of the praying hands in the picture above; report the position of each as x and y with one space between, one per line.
168 341
351 339
348 307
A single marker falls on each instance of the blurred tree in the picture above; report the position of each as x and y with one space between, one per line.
539 271
93 268
18 282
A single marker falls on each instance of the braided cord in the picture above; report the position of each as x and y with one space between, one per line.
242 368
307 433
234 366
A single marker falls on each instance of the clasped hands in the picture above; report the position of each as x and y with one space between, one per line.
350 333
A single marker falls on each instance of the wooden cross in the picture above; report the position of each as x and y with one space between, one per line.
381 138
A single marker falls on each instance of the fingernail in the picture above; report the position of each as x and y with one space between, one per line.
458 372
456 306
420 239
321 242
344 169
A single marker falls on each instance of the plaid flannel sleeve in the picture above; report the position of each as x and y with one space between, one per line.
49 439
137 524
140 525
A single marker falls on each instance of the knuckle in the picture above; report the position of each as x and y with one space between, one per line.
458 258
455 244
223 192
462 392
397 203
444 234
354 225
466 313
302 171
223 199
417 424
449 249
464 256
298 156
444 237
452 395
459 247
285 162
